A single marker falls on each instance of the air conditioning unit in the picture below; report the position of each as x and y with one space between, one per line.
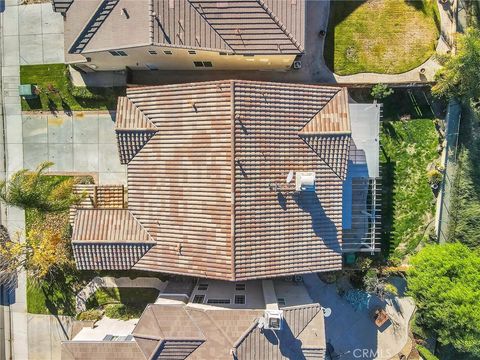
273 319
297 65
305 181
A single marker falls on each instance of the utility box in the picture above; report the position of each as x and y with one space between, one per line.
27 91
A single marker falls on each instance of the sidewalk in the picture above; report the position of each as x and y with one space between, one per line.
15 218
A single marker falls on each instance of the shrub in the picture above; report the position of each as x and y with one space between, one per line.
83 92
390 289
381 91
425 353
122 312
444 280
90 315
434 176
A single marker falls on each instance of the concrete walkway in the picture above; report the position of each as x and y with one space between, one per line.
45 335
111 282
13 218
353 333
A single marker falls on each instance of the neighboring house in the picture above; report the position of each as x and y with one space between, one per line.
182 34
230 180
275 320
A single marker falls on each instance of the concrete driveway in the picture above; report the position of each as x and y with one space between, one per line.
40 32
82 143
353 334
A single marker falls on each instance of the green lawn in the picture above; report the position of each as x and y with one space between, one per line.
407 147
382 36
58 94
122 303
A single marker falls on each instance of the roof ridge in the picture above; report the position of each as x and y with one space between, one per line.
206 21
141 226
122 100
317 117
247 332
152 22
232 175
280 24
309 321
219 328
303 136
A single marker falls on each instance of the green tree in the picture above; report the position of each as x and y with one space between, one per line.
41 254
445 283
34 190
381 91
460 74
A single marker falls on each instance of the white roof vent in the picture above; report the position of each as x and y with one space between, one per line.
305 181
272 320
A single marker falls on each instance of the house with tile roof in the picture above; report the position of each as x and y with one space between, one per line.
199 328
230 180
182 34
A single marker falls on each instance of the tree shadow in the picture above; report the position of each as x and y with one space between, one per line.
34 103
52 106
323 227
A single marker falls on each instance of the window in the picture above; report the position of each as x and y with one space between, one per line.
118 53
239 299
281 301
202 287
218 301
167 52
198 299
192 52
152 52
203 64
240 287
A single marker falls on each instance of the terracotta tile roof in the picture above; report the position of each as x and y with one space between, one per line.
250 26
108 225
108 239
185 332
234 26
210 185
97 196
333 118
129 117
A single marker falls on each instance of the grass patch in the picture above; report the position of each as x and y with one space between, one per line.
58 94
464 208
381 36
122 303
36 301
407 147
